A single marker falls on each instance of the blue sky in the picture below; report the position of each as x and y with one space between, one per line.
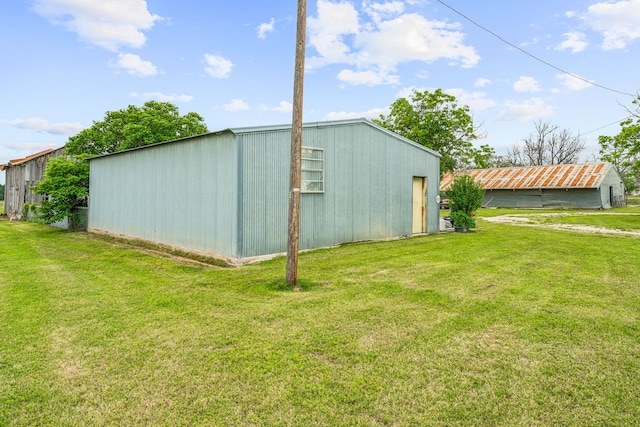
66 62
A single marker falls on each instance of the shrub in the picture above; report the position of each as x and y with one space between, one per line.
66 183
465 197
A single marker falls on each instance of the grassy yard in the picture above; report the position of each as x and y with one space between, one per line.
506 325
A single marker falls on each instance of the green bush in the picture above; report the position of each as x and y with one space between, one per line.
462 219
25 210
66 183
465 197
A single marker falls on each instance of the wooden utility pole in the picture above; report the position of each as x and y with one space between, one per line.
296 148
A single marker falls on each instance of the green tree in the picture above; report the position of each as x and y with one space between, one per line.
134 127
1 192
623 152
66 179
66 183
465 197
435 120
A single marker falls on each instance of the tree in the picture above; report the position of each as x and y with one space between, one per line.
66 183
1 192
547 145
134 127
623 152
435 120
66 179
485 157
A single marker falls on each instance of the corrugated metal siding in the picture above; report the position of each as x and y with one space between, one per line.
368 180
227 193
181 194
615 198
588 198
264 186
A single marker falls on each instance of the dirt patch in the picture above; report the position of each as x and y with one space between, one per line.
529 220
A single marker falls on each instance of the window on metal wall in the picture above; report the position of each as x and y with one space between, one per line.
312 178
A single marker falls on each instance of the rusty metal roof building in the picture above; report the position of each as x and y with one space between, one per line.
588 175
539 186
21 175
24 159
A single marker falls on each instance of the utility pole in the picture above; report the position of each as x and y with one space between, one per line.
296 148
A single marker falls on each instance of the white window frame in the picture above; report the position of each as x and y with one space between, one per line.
303 169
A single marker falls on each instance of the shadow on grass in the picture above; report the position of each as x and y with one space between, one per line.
281 285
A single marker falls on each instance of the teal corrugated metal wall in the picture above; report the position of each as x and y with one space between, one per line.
182 194
368 188
227 193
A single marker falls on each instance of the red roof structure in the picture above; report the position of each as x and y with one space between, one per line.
588 175
24 159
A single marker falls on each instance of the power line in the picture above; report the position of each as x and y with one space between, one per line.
530 54
602 127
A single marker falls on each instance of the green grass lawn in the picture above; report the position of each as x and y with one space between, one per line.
505 325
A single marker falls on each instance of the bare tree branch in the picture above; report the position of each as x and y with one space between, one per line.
546 145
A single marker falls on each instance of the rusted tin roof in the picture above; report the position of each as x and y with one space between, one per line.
24 159
588 175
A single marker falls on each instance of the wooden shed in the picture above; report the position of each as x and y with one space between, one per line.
226 193
21 175
582 186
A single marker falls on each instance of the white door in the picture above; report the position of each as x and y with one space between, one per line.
419 205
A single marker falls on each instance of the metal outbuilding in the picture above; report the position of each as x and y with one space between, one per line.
226 193
581 186
21 175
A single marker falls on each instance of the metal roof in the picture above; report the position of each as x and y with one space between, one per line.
588 175
252 129
24 159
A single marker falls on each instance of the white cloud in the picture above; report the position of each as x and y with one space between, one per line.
482 82
108 23
283 107
369 77
376 46
411 37
575 42
328 30
159 96
30 147
617 21
526 84
477 101
266 28
41 125
217 66
136 66
236 105
343 115
525 111
379 11
572 83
